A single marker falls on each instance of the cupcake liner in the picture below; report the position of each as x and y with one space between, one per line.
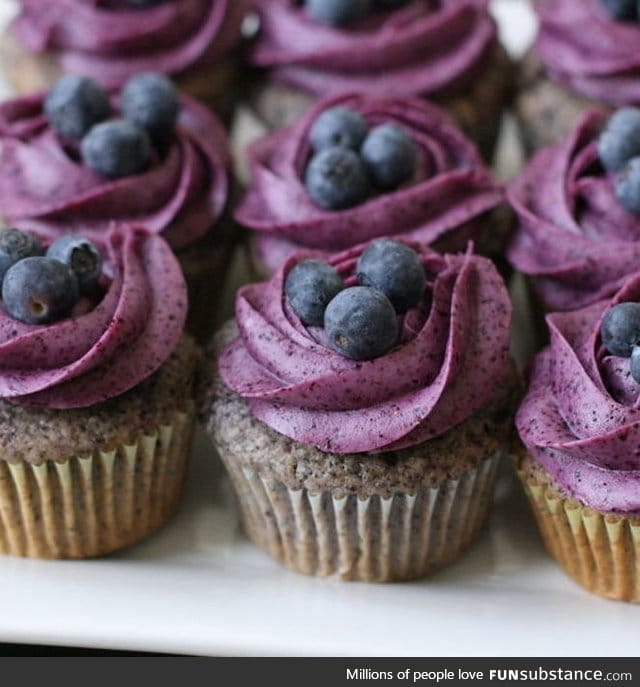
90 505
373 539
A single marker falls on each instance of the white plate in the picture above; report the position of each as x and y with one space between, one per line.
199 587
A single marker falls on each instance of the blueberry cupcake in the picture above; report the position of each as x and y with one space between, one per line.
96 391
579 426
447 52
585 54
77 157
361 404
193 41
357 167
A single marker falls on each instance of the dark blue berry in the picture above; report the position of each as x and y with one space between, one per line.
16 245
81 256
360 323
338 12
390 156
620 139
391 4
39 290
624 10
338 126
309 287
151 101
627 186
75 104
634 364
620 329
336 179
116 149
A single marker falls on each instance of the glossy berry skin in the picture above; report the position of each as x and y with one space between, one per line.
151 101
16 245
620 329
623 10
338 12
75 104
116 149
634 364
81 256
360 323
39 290
310 286
338 126
336 179
627 186
390 156
620 139
394 269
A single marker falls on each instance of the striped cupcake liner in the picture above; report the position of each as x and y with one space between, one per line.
88 506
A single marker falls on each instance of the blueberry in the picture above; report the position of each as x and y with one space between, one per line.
39 290
151 101
361 323
620 330
634 364
338 12
75 104
389 154
391 4
620 139
81 256
336 179
16 245
627 186
116 149
310 286
338 126
624 10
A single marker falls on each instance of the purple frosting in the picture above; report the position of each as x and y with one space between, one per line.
451 359
97 355
573 237
580 418
425 48
452 189
588 51
45 187
110 42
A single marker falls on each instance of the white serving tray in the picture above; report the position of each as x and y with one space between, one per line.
199 587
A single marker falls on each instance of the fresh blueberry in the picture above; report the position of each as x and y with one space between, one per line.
390 156
16 245
620 330
39 290
620 139
310 287
394 269
81 256
116 149
361 323
634 364
336 179
338 12
151 101
391 4
623 10
627 186
338 126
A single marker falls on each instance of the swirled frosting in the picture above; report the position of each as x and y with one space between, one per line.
452 189
451 359
580 418
92 357
44 186
425 48
110 42
573 237
588 51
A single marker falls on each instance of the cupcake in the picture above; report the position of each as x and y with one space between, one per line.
361 404
403 168
96 391
579 426
585 54
194 41
77 158
447 52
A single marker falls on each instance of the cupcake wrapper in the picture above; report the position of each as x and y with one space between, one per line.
599 551
375 539
90 505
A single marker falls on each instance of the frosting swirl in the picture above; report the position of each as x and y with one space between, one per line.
128 335
46 188
111 42
580 418
588 51
425 48
451 359
452 189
